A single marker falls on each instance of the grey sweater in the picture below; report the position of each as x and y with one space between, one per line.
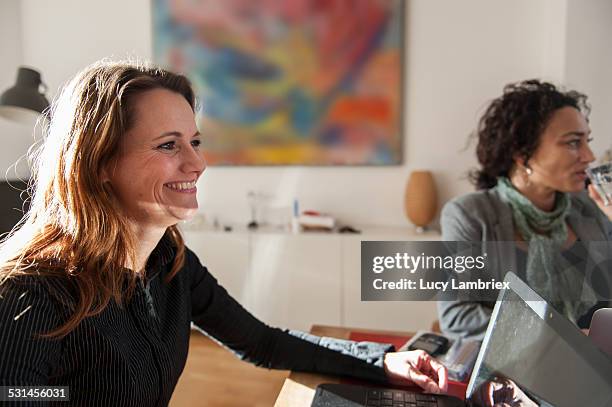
483 216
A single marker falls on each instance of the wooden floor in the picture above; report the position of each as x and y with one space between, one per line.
214 377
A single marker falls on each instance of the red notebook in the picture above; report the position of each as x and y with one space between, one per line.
456 389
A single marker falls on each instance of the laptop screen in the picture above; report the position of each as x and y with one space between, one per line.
542 354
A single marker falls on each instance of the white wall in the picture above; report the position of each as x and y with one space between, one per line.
589 62
62 37
459 55
15 138
10 41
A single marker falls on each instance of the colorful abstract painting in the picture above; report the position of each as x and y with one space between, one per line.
290 82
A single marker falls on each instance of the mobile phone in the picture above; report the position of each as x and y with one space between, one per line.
431 343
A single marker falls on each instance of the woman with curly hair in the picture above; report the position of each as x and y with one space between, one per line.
533 152
97 289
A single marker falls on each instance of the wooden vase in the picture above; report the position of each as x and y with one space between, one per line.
421 199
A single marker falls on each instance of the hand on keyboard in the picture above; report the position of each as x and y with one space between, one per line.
416 367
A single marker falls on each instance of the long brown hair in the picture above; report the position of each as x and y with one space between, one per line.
74 228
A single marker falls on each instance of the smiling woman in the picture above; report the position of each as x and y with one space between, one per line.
154 176
97 289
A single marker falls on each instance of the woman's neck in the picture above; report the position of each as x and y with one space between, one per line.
147 238
542 197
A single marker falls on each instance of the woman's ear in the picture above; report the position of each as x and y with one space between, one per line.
104 175
520 161
106 172
105 179
522 168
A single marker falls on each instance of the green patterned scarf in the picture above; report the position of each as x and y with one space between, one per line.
546 233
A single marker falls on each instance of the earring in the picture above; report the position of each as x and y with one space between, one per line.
526 175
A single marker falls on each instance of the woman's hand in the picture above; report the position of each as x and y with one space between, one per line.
416 367
502 393
600 202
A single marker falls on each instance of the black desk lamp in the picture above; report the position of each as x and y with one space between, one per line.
24 99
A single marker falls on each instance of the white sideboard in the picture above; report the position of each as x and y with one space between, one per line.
297 280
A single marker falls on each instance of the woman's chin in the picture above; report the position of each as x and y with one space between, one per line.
179 216
187 214
576 187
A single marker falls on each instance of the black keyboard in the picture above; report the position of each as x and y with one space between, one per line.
347 395
399 398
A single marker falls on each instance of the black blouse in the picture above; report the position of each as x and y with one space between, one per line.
133 355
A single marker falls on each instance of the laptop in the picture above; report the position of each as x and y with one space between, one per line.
529 350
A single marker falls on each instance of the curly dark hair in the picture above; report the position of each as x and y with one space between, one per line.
513 123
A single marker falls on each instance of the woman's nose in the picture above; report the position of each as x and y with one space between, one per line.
193 160
587 154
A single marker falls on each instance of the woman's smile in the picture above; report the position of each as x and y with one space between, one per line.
182 187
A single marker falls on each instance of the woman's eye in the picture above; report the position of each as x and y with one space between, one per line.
196 143
167 146
574 143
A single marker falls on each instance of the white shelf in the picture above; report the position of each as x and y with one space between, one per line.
297 280
386 232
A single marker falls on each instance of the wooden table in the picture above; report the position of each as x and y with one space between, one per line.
215 377
299 388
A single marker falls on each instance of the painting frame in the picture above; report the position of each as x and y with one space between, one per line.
394 150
